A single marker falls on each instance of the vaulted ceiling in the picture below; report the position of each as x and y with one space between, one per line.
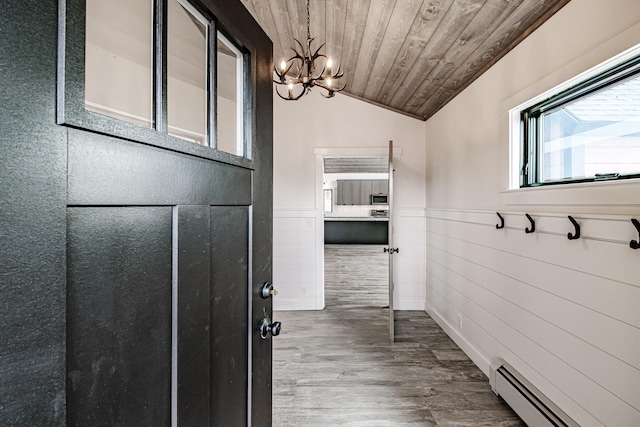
410 56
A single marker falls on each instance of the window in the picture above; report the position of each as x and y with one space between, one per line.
230 96
187 35
588 132
118 60
165 73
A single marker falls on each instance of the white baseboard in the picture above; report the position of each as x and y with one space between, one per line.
477 356
293 304
409 304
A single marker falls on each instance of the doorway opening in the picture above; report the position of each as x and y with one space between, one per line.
355 228
355 223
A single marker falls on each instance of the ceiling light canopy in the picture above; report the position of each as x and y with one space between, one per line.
312 68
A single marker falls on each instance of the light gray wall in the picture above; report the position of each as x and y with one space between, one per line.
340 123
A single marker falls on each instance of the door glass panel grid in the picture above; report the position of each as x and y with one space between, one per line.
230 96
148 125
187 72
119 60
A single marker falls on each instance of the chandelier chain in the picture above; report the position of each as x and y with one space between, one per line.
308 22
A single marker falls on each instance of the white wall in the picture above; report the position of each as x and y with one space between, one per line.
563 313
313 122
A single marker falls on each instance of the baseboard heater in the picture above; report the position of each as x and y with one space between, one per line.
533 407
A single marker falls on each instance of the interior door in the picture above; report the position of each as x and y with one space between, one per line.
391 249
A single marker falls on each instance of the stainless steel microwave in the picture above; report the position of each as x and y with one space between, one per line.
379 199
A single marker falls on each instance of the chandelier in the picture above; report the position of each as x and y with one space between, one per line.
308 73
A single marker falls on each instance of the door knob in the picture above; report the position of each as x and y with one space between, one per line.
267 328
268 290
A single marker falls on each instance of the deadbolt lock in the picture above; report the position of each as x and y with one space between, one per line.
268 290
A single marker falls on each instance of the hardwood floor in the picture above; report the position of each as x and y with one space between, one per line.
336 367
356 276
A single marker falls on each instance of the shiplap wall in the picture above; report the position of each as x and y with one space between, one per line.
297 265
563 313
298 268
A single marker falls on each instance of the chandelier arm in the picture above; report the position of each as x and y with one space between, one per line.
290 98
330 89
285 72
280 95
302 49
317 55
281 76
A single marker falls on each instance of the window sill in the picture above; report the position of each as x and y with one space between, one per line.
623 193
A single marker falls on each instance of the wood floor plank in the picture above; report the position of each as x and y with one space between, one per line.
356 276
336 367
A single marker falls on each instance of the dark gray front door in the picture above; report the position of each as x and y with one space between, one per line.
158 286
132 292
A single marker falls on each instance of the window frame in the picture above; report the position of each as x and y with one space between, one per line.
531 123
71 111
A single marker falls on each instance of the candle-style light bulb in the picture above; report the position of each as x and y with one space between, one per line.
328 82
329 64
283 65
290 86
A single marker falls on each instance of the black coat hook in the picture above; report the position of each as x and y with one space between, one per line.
533 225
576 234
634 243
501 225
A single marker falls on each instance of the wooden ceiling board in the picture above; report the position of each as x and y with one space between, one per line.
492 14
453 23
355 23
511 32
284 27
336 17
395 36
423 27
410 56
375 28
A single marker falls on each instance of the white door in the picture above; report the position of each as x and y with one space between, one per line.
391 249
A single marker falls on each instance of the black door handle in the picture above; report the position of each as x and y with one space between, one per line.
267 328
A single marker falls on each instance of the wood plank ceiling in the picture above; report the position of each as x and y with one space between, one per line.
410 56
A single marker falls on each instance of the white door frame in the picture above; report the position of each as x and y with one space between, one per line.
321 154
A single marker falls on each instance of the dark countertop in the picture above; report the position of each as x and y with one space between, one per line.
356 218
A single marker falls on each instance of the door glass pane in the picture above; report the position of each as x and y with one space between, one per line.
230 98
118 71
597 134
187 72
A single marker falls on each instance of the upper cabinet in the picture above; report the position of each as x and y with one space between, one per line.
359 191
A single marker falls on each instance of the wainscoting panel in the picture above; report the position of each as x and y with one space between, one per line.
295 260
298 270
409 271
562 312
